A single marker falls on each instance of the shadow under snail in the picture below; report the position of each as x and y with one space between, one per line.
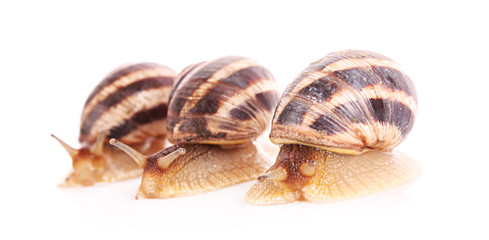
337 124
130 104
217 108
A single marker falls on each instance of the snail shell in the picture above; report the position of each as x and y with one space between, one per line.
348 102
130 104
225 101
217 108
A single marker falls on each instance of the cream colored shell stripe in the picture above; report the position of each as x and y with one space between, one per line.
342 96
261 86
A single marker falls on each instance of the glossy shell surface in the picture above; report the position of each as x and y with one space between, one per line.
130 104
347 102
228 100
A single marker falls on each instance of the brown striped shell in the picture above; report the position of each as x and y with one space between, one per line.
347 102
328 119
129 104
228 100
216 109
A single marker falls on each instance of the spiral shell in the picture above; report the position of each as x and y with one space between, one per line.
328 119
347 102
216 109
129 104
224 101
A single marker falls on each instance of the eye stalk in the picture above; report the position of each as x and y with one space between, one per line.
67 147
278 174
163 162
138 157
98 146
337 124
308 169
216 127
89 164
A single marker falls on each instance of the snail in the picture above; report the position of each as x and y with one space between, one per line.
337 124
217 108
130 104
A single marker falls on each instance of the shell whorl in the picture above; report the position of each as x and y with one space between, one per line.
129 104
224 101
348 102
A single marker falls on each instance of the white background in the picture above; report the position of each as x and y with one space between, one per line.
52 54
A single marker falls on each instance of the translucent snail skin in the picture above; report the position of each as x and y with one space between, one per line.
217 109
129 104
338 123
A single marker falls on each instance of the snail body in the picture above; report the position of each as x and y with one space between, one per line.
217 108
130 104
338 123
